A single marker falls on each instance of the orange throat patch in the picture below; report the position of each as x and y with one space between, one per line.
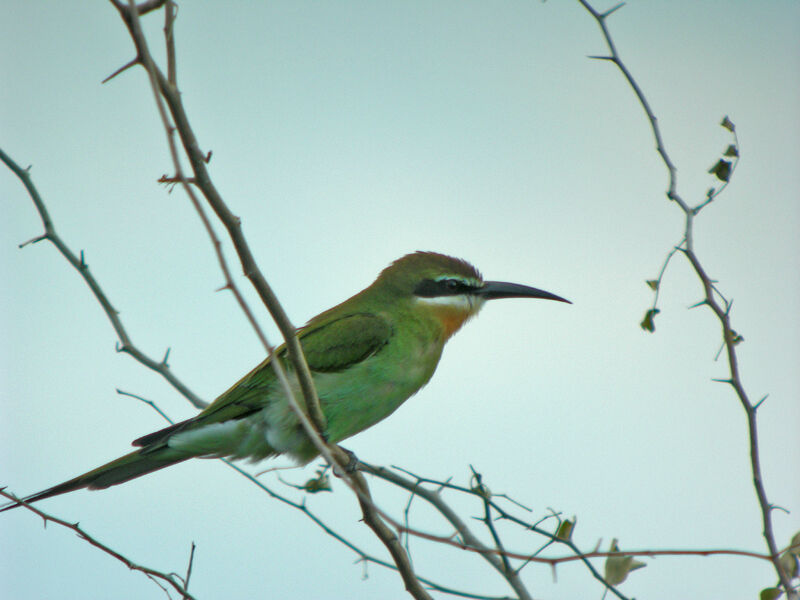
451 318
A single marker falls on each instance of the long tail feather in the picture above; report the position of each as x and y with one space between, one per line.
123 469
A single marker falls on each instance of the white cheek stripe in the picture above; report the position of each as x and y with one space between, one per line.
465 302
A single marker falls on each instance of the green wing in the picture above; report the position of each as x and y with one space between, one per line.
339 344
329 347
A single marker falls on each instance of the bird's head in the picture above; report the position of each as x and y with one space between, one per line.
450 289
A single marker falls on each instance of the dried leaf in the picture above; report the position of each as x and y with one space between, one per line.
618 566
722 170
653 283
565 529
732 151
647 323
728 124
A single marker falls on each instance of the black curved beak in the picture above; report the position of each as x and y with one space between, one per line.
500 289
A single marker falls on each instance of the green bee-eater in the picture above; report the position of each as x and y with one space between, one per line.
367 356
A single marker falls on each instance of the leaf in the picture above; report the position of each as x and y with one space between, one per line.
647 323
722 170
566 528
653 283
789 564
736 338
795 544
790 560
770 594
728 124
618 566
320 483
732 151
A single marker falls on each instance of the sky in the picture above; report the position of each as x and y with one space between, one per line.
346 135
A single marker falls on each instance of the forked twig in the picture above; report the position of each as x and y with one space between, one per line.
720 310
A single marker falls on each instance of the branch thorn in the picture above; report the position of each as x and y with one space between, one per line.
757 404
127 65
611 10
38 238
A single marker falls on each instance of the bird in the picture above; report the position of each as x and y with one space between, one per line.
367 356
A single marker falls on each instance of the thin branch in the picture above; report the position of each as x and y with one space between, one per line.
312 421
488 520
232 223
125 343
614 57
303 507
363 555
189 567
722 314
472 543
170 12
171 579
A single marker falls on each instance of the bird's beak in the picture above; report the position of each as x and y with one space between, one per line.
500 289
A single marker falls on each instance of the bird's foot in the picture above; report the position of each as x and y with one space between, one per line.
351 464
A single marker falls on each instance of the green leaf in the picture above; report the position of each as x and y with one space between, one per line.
732 151
653 283
795 544
566 528
722 170
789 564
728 124
647 323
770 594
618 566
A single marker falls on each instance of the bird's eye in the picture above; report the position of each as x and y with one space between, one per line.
452 284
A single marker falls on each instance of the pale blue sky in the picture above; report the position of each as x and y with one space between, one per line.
346 135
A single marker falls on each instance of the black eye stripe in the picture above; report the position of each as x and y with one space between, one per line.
430 288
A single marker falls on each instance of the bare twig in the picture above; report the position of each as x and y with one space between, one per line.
79 263
189 567
720 310
170 579
488 520
311 419
471 542
197 159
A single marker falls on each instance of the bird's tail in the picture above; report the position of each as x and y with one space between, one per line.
123 469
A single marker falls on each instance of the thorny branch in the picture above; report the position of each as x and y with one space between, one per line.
166 92
313 422
165 87
180 585
720 307
79 263
468 540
